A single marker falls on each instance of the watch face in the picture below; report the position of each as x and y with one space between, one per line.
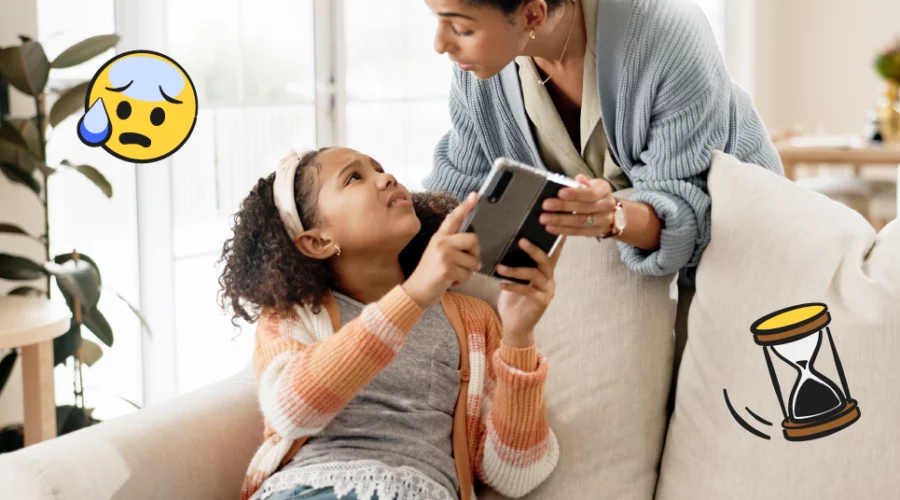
619 219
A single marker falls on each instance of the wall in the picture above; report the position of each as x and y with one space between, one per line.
17 205
811 59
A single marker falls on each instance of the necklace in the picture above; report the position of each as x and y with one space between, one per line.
565 46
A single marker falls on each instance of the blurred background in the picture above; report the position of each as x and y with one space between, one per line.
277 73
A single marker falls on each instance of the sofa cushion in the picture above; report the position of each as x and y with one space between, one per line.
194 446
608 339
788 387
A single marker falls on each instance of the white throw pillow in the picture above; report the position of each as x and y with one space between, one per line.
789 387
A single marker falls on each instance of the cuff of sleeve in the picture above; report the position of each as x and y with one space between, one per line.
677 241
524 359
402 311
516 379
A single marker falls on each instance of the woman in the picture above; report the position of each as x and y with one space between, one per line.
616 93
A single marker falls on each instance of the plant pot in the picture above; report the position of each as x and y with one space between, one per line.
889 113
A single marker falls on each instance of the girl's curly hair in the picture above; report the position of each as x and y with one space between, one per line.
264 270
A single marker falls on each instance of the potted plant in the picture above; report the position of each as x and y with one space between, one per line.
887 65
23 160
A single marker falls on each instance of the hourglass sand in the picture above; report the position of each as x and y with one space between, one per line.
817 407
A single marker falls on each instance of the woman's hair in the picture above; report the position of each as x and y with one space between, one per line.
510 6
264 270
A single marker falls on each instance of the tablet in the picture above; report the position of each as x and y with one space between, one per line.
508 209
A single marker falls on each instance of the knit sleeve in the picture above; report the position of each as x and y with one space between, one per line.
302 387
694 108
460 163
517 450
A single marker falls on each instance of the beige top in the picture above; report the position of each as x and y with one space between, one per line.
559 154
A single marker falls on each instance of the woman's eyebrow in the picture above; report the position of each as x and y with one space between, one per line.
448 15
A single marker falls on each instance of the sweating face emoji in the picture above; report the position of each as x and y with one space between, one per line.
141 107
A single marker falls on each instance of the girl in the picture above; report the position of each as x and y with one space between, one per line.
374 381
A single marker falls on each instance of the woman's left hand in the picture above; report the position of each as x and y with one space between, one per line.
521 306
586 211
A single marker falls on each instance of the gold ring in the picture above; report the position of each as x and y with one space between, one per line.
589 221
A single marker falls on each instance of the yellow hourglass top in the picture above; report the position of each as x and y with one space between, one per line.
792 323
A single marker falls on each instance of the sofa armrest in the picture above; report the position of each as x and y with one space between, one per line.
195 446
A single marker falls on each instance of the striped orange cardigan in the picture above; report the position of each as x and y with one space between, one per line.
307 373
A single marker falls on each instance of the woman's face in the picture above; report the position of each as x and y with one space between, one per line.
362 208
480 39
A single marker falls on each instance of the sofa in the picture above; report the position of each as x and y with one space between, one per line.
626 430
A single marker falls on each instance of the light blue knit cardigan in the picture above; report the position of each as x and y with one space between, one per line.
667 103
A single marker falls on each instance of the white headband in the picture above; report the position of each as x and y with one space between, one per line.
283 190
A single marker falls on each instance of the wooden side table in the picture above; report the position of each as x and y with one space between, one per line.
31 323
855 153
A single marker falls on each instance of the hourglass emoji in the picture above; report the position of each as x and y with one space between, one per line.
817 407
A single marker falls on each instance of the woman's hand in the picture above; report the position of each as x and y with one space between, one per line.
588 211
521 306
449 260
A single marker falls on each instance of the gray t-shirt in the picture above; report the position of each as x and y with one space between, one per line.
404 417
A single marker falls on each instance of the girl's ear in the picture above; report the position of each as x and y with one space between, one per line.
315 244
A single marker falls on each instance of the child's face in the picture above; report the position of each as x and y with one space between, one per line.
364 209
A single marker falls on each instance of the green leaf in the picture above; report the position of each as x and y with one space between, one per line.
96 323
25 67
6 367
13 267
66 344
85 50
66 257
12 229
77 279
63 413
29 145
71 101
71 418
93 175
27 291
10 133
132 403
90 352
15 173
134 309
45 169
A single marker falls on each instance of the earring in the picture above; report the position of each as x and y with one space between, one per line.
338 250
532 34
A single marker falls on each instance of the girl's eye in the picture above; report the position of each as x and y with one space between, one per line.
461 33
353 177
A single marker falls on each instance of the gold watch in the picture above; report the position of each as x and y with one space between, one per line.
618 222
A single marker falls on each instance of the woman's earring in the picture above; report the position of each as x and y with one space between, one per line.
338 250
532 34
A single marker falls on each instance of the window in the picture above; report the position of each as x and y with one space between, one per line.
253 69
396 85
82 218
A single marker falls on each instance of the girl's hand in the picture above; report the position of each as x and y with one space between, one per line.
449 260
521 306
588 211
